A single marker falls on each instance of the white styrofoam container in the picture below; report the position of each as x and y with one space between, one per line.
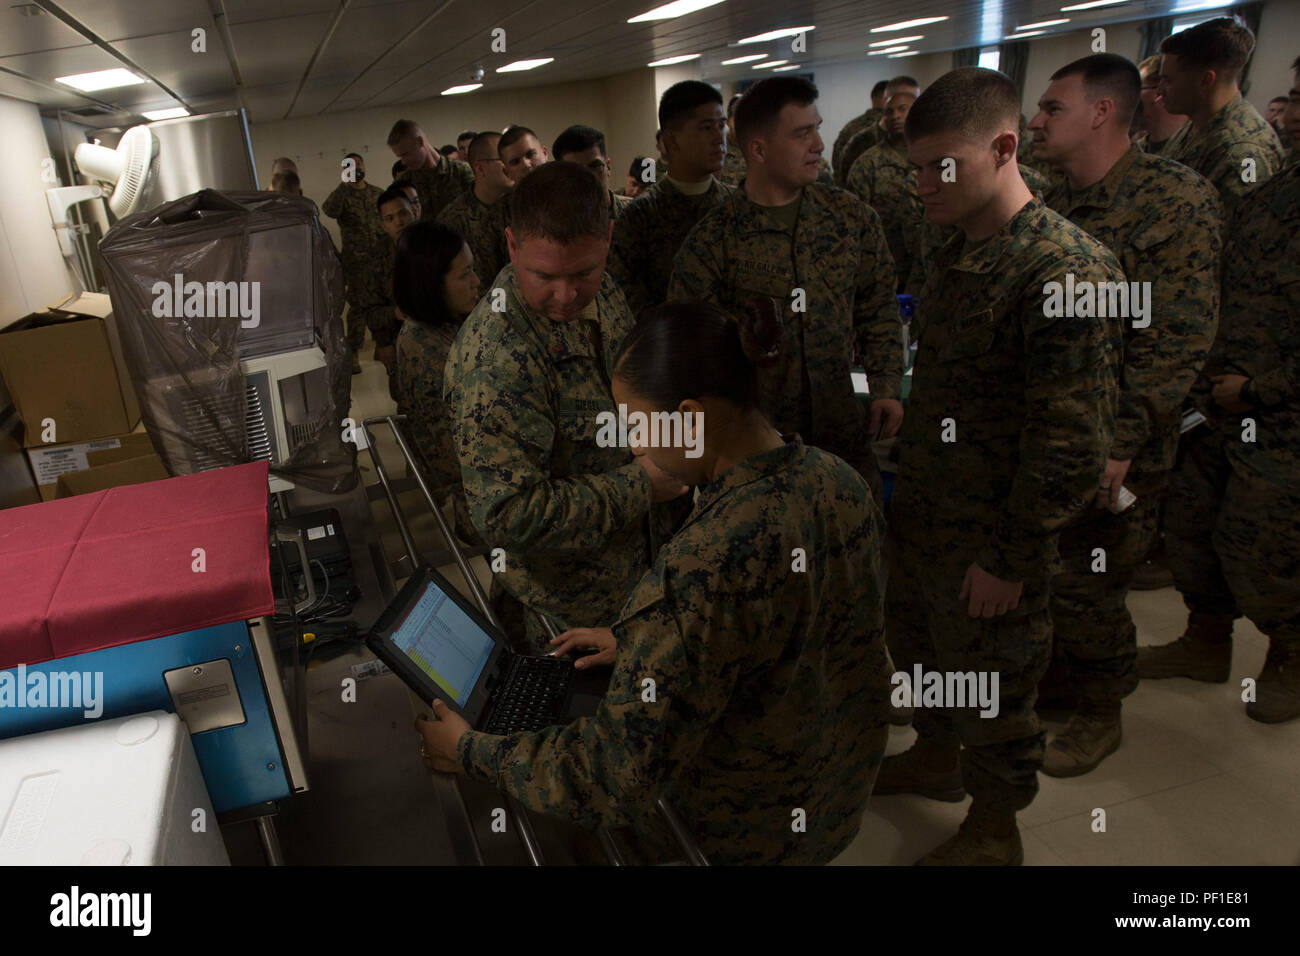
110 793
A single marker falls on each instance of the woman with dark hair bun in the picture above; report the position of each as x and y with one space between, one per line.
434 288
751 682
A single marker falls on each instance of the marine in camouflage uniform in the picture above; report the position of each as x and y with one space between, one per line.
367 261
524 394
862 141
439 184
483 227
733 167
1032 400
1163 222
648 235
1244 493
883 179
868 120
837 254
772 686
1219 148
422 351
617 205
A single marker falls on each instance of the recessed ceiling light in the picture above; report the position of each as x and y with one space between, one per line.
99 80
895 56
775 35
888 49
892 41
678 8
669 61
1091 4
1043 23
1021 36
745 59
792 66
173 113
519 65
907 24
467 88
766 63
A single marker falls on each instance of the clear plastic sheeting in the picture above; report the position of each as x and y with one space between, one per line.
230 309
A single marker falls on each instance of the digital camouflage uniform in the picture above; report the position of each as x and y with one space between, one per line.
862 141
1253 508
524 394
1219 148
882 178
733 167
839 258
1163 222
648 235
824 175
617 205
1033 402
483 226
417 387
771 685
867 120
439 184
367 262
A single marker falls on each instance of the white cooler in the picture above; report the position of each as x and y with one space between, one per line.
110 793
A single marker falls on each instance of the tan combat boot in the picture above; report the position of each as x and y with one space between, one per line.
1277 690
929 769
985 838
1092 735
1204 652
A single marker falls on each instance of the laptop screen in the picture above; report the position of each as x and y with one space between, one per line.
439 638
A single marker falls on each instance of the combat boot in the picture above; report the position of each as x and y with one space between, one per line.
1277 690
1092 735
985 838
1204 652
928 769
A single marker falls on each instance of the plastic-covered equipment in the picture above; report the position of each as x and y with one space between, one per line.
230 309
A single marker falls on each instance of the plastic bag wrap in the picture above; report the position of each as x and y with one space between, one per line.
222 300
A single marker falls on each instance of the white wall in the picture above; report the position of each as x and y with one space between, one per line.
32 271
1276 47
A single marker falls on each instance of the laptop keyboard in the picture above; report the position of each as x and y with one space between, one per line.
532 695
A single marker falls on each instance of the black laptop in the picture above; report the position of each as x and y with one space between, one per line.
441 646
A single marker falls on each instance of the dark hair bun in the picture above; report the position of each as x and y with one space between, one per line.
760 330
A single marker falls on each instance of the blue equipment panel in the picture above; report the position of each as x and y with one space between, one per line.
242 764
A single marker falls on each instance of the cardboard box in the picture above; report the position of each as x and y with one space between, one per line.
131 471
60 365
50 461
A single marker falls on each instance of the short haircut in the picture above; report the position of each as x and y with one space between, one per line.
559 201
483 146
399 167
408 187
879 88
901 82
1108 74
764 101
403 129
638 164
578 139
393 192
449 148
512 135
1223 44
731 104
281 162
425 252
1149 66
682 99
468 134
1295 65
970 100
355 156
286 181
1279 99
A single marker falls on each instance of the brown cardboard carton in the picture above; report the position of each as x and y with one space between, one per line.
131 471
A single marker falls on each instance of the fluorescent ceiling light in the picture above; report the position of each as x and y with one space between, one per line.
1091 4
907 24
99 80
769 64
745 59
669 61
1191 5
1021 36
782 69
678 8
467 88
1043 23
775 35
893 40
888 49
895 56
173 113
519 65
